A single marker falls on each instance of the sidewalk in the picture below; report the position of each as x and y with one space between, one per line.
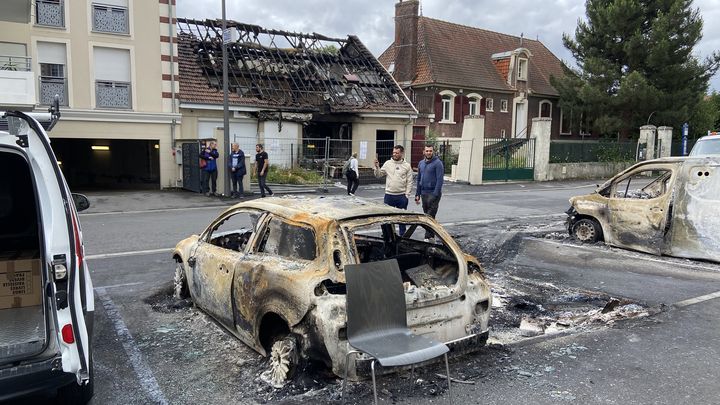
148 200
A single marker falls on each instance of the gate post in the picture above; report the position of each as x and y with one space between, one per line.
470 160
540 131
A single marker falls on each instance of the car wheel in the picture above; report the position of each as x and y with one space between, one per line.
587 230
284 360
78 394
181 287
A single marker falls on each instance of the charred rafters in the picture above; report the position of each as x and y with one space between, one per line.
304 71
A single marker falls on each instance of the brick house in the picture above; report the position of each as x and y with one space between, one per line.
451 71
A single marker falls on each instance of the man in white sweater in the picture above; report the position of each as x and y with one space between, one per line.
399 180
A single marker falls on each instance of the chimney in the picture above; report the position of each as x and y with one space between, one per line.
406 39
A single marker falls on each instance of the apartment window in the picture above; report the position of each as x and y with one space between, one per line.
111 16
503 106
112 78
474 103
545 109
448 101
13 57
522 69
489 105
50 13
53 80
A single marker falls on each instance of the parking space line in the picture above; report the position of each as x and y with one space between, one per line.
116 286
131 253
142 370
697 300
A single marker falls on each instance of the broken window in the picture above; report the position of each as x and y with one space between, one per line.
234 232
643 185
286 240
422 263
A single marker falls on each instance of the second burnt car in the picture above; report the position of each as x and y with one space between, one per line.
271 272
664 206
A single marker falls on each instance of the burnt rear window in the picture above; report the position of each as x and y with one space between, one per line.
287 240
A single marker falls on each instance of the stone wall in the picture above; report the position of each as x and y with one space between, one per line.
591 170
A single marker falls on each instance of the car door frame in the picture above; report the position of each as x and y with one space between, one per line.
640 224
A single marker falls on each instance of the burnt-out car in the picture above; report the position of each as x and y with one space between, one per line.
271 272
665 207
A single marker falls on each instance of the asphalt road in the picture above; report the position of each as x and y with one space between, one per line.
149 349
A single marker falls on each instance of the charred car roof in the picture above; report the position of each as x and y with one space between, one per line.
332 208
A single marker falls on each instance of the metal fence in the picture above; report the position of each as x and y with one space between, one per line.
592 151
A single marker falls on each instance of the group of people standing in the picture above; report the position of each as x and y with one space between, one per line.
236 167
399 180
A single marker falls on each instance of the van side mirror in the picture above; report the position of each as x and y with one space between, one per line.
81 202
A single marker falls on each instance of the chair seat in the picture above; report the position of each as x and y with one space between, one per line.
399 347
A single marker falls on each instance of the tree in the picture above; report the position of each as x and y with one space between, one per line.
635 62
705 117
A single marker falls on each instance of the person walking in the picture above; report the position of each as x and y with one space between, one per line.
352 173
208 173
431 172
236 164
399 180
262 165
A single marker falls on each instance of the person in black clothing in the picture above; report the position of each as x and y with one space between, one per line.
208 173
262 164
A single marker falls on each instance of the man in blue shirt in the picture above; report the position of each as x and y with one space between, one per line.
208 173
431 172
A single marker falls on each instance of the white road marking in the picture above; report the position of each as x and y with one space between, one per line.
697 300
632 255
207 207
117 285
130 253
142 370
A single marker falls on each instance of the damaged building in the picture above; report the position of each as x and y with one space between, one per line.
307 97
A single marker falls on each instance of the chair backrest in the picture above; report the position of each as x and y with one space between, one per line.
375 298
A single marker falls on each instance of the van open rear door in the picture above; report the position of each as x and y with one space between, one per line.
66 286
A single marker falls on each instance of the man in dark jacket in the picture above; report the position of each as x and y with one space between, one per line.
209 154
431 172
236 164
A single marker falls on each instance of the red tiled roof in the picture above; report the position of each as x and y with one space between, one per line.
458 55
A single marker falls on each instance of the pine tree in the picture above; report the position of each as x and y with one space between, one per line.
635 62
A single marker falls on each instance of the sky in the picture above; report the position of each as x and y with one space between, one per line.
372 20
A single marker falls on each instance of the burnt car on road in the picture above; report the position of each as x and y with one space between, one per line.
664 206
271 272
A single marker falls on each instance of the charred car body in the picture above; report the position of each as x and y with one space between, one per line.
271 272
664 207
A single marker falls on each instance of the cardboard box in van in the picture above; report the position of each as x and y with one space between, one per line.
20 283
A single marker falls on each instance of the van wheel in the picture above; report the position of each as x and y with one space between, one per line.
284 360
181 287
78 394
587 230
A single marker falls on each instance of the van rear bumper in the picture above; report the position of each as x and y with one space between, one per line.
33 378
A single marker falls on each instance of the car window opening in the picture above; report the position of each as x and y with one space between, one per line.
425 260
644 185
289 241
234 232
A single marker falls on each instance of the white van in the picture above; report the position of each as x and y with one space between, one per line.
707 146
46 295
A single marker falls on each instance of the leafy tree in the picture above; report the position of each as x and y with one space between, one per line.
705 117
635 62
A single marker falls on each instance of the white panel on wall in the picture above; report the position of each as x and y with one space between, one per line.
112 64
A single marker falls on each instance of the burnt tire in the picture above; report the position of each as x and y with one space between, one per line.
587 230
284 360
180 287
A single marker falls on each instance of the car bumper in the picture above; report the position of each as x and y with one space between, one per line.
33 378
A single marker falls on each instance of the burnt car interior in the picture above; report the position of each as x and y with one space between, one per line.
422 264
645 185
234 232
287 240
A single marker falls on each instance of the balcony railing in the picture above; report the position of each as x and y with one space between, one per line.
112 19
109 94
15 63
49 87
50 13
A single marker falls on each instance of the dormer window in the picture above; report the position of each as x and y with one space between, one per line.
522 71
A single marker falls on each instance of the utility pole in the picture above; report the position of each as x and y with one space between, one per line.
226 113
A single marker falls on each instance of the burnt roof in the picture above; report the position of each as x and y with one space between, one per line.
286 71
458 55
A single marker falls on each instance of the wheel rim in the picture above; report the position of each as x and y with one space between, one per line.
585 232
179 280
283 358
